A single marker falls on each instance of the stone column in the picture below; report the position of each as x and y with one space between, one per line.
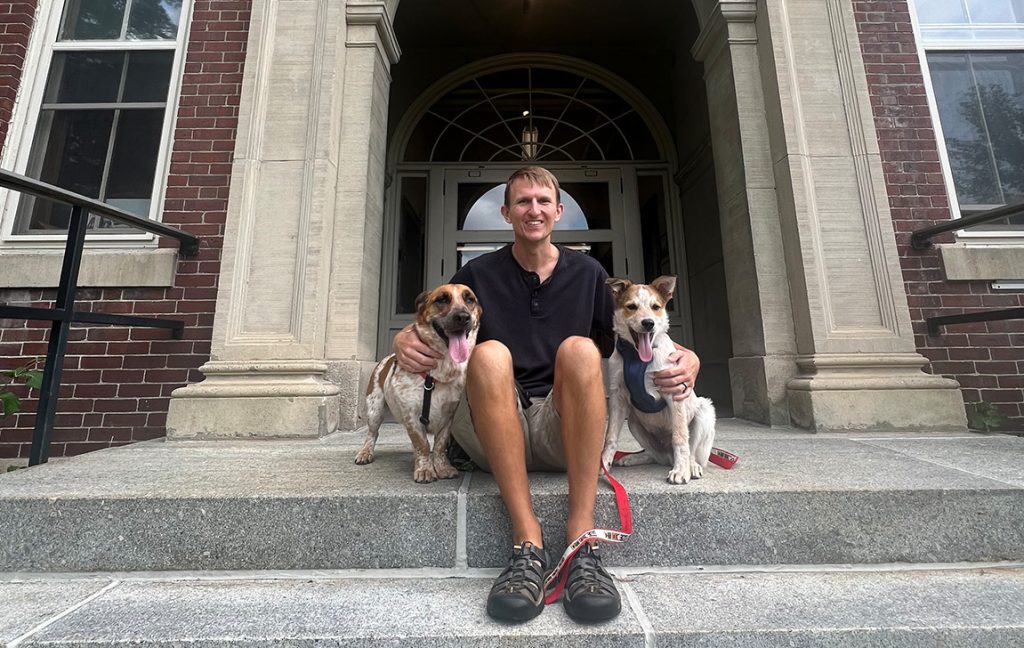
267 376
764 346
354 296
858 368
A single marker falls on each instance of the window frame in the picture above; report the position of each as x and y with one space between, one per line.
43 44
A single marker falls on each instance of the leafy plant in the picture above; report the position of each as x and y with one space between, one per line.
28 374
987 417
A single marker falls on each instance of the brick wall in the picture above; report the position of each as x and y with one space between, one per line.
117 381
986 358
15 25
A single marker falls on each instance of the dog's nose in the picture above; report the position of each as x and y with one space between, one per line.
648 325
461 318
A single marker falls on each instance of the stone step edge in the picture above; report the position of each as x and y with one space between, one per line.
480 572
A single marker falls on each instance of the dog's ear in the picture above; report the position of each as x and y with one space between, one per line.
665 285
421 300
618 286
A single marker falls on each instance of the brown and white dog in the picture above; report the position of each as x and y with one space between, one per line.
676 433
447 320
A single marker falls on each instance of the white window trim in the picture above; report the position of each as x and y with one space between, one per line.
42 44
966 236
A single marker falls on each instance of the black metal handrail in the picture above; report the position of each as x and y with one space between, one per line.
63 313
920 239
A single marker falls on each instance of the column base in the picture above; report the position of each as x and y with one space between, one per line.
759 388
873 392
255 400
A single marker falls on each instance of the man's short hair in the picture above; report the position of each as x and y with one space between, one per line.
536 175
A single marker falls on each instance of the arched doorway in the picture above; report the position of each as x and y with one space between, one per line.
453 151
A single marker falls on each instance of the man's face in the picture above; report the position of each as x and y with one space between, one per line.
532 210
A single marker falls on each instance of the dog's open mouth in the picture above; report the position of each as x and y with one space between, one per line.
457 341
642 342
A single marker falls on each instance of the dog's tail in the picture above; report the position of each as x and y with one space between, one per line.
702 431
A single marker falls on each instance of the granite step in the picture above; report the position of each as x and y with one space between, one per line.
256 505
963 606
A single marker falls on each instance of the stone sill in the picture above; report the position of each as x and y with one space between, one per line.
101 268
977 263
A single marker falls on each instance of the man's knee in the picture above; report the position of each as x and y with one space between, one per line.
579 351
490 360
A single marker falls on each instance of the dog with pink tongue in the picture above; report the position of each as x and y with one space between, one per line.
447 320
676 433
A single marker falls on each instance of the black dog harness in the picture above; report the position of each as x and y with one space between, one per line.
633 372
428 392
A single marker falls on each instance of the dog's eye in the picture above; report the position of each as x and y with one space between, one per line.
443 298
656 307
631 307
469 299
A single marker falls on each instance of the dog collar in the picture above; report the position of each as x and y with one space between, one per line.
428 391
633 372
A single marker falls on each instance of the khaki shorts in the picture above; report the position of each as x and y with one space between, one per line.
542 434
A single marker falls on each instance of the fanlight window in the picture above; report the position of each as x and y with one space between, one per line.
531 114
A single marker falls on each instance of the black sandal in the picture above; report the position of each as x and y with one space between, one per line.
590 595
518 593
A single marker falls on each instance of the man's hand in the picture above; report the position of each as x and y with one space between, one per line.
676 381
412 353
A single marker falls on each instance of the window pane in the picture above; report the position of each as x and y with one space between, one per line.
69 151
133 165
981 106
654 226
585 208
84 77
148 76
92 20
966 139
941 11
996 11
154 19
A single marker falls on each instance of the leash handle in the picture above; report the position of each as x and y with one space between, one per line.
719 457
557 577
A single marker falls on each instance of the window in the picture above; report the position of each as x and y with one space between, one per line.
974 50
97 122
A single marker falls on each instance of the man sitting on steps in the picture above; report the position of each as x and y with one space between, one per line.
535 393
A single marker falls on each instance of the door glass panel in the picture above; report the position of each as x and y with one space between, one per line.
653 227
601 250
412 214
480 206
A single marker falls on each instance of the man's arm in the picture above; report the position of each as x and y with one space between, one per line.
412 353
676 381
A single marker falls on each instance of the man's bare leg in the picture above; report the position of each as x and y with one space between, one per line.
579 399
492 401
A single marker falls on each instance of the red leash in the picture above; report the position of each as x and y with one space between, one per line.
558 575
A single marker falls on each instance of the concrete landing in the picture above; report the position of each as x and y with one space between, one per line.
958 607
794 498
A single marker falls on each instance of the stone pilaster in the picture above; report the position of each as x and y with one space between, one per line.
858 368
267 376
764 346
352 317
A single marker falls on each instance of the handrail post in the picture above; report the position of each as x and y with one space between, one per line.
59 331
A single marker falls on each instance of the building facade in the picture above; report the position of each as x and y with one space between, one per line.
339 157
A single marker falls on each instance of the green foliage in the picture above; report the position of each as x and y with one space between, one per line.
986 417
30 375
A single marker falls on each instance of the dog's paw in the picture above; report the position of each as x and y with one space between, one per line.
443 469
696 470
364 457
679 475
424 475
607 457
